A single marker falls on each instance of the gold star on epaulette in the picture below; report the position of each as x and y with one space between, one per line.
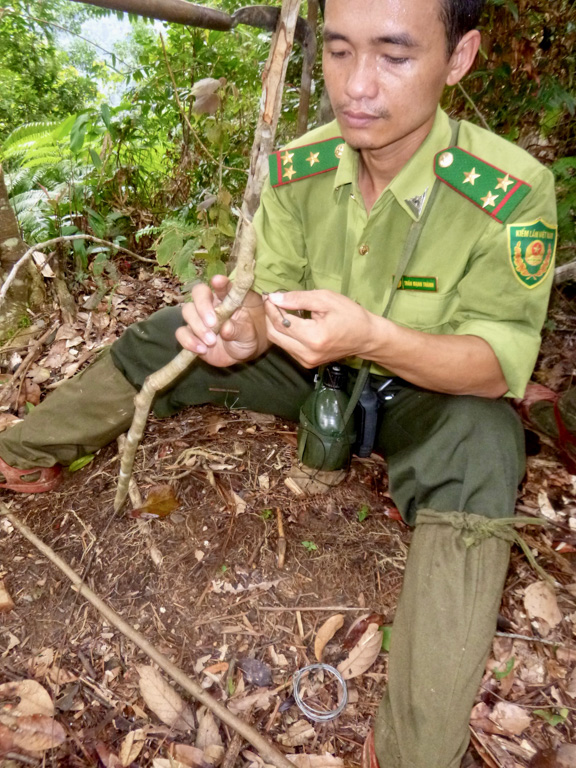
471 176
490 199
287 157
504 183
313 159
289 172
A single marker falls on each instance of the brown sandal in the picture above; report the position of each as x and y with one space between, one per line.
549 420
37 480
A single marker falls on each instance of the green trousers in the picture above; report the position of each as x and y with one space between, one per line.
452 461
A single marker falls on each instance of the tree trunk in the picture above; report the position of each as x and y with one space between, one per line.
24 291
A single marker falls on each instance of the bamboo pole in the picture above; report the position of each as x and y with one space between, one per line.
244 247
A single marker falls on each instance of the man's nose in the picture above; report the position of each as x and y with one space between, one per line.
362 82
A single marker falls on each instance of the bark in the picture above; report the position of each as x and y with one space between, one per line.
178 11
307 67
25 290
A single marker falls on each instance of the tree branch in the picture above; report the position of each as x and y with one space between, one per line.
64 239
244 245
266 750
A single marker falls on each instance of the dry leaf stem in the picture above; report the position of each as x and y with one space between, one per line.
268 752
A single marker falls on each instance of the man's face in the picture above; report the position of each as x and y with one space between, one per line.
385 66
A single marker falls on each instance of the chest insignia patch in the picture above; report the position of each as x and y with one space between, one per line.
416 283
297 163
532 247
491 189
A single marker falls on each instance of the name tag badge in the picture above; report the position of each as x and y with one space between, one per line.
415 283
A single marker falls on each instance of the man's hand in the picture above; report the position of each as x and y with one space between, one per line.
336 329
339 328
241 338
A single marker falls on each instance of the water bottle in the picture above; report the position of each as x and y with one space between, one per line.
324 440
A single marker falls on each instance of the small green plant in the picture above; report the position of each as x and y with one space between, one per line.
223 568
553 716
500 674
266 514
386 638
363 513
310 546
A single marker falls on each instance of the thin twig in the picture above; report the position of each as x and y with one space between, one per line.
475 108
268 752
530 639
64 239
185 116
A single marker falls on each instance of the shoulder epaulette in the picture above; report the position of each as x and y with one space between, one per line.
493 190
297 163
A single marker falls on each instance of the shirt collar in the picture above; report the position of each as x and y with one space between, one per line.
416 177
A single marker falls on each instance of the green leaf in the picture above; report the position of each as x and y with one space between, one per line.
500 674
95 158
363 513
310 546
266 514
81 462
29 407
552 718
170 244
106 116
386 638
215 268
225 224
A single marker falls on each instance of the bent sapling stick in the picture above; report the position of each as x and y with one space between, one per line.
273 79
164 377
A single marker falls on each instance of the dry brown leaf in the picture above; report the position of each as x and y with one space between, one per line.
326 633
297 734
540 603
35 733
163 700
208 733
41 662
363 655
510 717
546 508
189 756
162 762
161 502
6 602
316 761
213 755
33 699
562 757
570 687
239 503
8 420
258 700
132 746
108 758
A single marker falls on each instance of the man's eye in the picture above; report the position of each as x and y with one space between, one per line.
396 60
338 54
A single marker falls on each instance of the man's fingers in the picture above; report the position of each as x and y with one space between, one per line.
220 285
310 300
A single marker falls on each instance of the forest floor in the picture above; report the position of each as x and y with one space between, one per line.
203 585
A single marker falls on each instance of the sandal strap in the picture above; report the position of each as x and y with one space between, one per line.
48 478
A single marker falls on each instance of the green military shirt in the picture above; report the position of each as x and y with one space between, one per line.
483 265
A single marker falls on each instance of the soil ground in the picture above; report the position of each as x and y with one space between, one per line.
203 583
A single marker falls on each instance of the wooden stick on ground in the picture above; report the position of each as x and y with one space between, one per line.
244 247
269 753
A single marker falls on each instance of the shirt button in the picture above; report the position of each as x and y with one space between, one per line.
363 250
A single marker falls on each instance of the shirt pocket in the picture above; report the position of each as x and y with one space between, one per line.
423 311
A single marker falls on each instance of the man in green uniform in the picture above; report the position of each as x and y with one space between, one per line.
449 232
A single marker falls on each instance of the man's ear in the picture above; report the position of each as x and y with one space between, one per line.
463 56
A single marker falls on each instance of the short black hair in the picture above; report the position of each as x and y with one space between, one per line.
459 17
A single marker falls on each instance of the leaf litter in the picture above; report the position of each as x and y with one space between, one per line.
202 583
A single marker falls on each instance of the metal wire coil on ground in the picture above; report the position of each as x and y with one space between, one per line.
318 715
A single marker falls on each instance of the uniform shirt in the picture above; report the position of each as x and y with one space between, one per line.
315 233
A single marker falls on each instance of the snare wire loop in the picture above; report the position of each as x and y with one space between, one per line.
319 715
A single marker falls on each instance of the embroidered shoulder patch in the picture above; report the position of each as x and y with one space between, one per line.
493 190
289 165
532 248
